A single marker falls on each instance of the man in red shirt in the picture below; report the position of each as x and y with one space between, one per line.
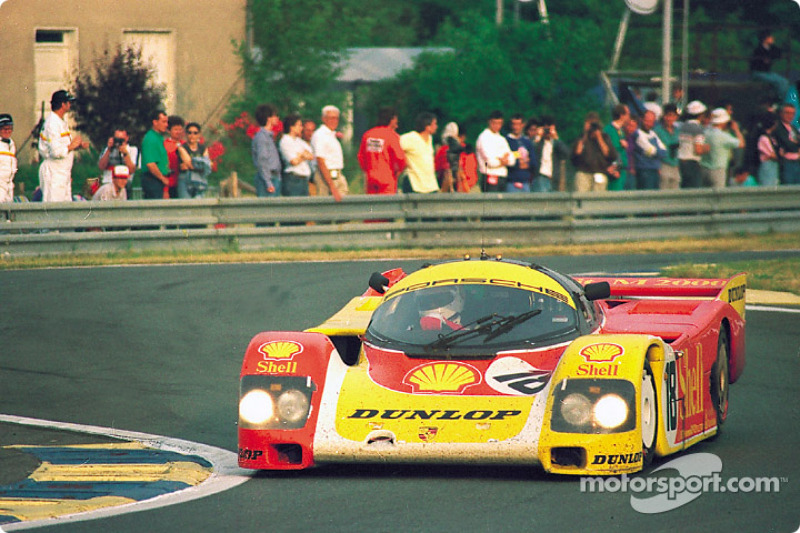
380 155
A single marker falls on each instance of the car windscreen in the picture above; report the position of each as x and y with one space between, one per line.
471 317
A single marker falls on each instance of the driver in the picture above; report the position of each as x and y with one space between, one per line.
440 306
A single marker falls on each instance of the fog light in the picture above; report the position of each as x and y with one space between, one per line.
292 406
256 407
610 411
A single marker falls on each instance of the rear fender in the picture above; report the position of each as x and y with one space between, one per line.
596 366
276 363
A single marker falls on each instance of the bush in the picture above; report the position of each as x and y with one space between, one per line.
117 92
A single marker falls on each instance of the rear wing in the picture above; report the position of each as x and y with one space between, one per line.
731 290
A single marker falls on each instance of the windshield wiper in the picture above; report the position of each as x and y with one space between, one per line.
510 322
492 326
484 326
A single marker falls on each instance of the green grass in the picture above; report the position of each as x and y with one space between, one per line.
770 275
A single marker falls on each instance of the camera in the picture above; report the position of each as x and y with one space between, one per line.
118 141
593 127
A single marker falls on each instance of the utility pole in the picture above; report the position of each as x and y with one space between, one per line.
666 54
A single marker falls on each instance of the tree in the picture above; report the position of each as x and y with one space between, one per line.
117 92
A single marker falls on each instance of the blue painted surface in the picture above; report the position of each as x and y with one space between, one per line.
70 490
79 456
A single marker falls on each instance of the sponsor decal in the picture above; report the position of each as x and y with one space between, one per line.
511 375
428 433
433 414
598 370
271 367
249 455
617 458
691 383
603 352
280 350
736 294
442 377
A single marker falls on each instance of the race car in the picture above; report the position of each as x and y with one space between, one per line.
496 361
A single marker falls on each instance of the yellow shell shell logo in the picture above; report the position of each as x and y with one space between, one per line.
442 377
604 352
280 350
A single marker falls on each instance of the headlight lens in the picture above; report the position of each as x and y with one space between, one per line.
610 411
576 409
292 406
256 407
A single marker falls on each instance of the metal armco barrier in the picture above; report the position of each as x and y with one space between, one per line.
400 221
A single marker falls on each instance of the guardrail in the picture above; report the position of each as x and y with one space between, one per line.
399 221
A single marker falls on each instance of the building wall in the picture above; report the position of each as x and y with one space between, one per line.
197 34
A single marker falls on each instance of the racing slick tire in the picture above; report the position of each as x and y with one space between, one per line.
648 415
720 379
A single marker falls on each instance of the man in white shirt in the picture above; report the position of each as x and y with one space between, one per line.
417 146
494 155
329 178
57 145
296 154
8 158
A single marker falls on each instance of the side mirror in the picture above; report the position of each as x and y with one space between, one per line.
597 291
378 282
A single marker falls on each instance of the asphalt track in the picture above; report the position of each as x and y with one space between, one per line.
157 350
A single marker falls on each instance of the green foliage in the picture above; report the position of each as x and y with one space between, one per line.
118 91
526 68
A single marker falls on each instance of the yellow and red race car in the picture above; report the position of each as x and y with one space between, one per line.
498 361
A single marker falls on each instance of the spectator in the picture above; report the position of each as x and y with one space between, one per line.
620 116
743 178
8 158
692 145
721 145
550 153
593 156
297 155
380 154
116 189
765 54
533 129
57 146
418 148
631 132
446 159
788 138
520 174
329 179
648 153
155 183
119 152
467 174
174 139
265 153
670 175
769 167
494 155
195 164
308 131
651 104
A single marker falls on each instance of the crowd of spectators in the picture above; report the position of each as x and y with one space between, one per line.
662 147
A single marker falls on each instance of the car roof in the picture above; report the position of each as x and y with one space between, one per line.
495 272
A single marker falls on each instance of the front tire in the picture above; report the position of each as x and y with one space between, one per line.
648 415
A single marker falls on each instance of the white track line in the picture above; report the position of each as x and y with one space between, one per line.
772 309
226 473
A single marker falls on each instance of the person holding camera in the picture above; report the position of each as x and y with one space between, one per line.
594 157
119 153
550 152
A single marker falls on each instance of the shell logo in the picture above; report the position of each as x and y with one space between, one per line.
442 377
603 352
280 350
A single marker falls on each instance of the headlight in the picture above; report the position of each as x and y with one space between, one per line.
256 407
593 406
610 411
576 409
292 406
